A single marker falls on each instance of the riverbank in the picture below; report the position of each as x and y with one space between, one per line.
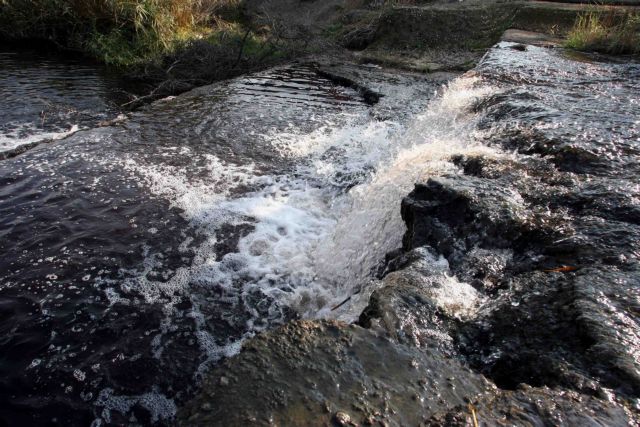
118 33
164 48
167 50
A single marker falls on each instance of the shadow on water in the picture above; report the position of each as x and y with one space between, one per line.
46 94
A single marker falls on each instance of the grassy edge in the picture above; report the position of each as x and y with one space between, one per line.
607 31
121 33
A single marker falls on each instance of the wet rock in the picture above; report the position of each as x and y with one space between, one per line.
484 269
342 419
554 266
530 406
456 213
308 373
370 96
530 335
607 306
548 237
421 304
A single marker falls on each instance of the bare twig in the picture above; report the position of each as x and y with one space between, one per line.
244 40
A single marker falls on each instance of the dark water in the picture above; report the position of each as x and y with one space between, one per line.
136 256
43 97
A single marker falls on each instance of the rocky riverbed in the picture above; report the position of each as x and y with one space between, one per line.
330 241
514 298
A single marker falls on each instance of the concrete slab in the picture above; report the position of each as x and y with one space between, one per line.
530 37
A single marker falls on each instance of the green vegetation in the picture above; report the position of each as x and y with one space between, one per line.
124 33
164 47
607 32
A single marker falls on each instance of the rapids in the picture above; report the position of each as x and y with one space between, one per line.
135 257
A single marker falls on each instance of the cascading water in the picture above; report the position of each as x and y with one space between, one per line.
369 224
280 193
136 256
318 231
186 233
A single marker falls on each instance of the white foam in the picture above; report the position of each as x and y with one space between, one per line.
432 274
370 224
311 241
159 406
27 133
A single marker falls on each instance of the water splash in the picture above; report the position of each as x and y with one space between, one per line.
370 225
314 235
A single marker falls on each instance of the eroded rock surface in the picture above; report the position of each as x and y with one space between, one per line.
315 373
560 307
521 265
548 237
536 407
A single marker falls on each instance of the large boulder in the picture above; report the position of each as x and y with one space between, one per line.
314 373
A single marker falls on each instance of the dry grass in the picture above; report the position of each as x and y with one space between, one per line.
606 31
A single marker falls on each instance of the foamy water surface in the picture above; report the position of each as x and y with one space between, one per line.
158 246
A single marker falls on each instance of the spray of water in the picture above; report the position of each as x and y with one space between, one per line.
319 232
369 224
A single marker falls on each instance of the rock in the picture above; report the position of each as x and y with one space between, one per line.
305 373
454 214
531 406
120 118
421 304
450 27
291 375
555 287
342 419
524 38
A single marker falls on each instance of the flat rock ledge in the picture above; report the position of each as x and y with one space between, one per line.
322 373
315 373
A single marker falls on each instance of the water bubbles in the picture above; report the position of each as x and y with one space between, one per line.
279 217
79 375
34 363
159 406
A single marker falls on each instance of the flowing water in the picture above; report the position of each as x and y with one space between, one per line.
136 256
46 98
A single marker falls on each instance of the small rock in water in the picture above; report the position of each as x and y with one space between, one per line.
342 418
224 381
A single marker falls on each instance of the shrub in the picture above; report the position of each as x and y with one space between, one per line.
608 32
119 32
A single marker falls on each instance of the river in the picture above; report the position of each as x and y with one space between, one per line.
136 256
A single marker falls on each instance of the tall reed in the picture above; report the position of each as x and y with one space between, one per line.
119 32
609 31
